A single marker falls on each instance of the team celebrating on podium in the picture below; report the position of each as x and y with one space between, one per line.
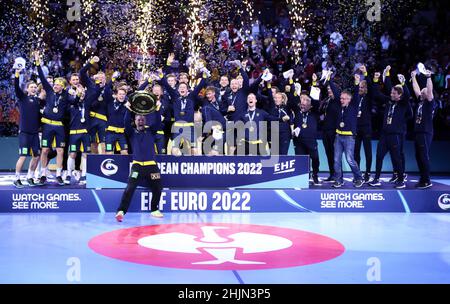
227 114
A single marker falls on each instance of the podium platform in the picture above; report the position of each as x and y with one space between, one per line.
78 198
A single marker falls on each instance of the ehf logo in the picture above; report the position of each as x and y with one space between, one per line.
444 201
108 167
284 167
216 246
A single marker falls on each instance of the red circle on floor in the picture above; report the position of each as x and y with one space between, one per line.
217 246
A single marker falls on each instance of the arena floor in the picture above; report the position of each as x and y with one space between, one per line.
286 248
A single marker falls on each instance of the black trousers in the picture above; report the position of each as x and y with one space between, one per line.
283 144
390 143
151 176
364 136
285 141
328 142
422 144
402 153
308 147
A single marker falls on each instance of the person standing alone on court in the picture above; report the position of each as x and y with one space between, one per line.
144 167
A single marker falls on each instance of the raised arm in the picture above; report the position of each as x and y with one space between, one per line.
246 82
19 93
127 120
376 89
415 84
387 79
198 87
172 92
335 90
108 94
254 86
369 81
429 86
406 93
270 102
85 79
46 85
356 97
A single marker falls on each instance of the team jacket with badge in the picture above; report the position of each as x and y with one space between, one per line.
60 101
308 122
29 107
142 142
398 112
115 109
80 109
221 93
365 107
183 107
329 109
93 93
279 112
238 99
256 117
423 116
211 112
346 122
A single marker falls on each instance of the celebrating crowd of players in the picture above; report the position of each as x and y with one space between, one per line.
194 116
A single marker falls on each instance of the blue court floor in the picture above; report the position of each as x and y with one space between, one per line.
368 248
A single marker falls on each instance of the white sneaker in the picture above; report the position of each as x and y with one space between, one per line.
76 174
119 216
157 214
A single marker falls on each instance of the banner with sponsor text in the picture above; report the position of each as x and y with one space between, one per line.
206 172
236 201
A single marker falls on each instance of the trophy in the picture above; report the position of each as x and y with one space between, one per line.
142 102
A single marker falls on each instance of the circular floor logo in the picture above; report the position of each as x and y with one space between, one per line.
216 246
444 201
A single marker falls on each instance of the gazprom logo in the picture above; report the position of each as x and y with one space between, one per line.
444 201
284 167
108 167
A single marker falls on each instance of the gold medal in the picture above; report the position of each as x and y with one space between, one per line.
182 113
55 110
342 124
418 121
100 98
359 113
304 126
389 120
252 129
82 119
